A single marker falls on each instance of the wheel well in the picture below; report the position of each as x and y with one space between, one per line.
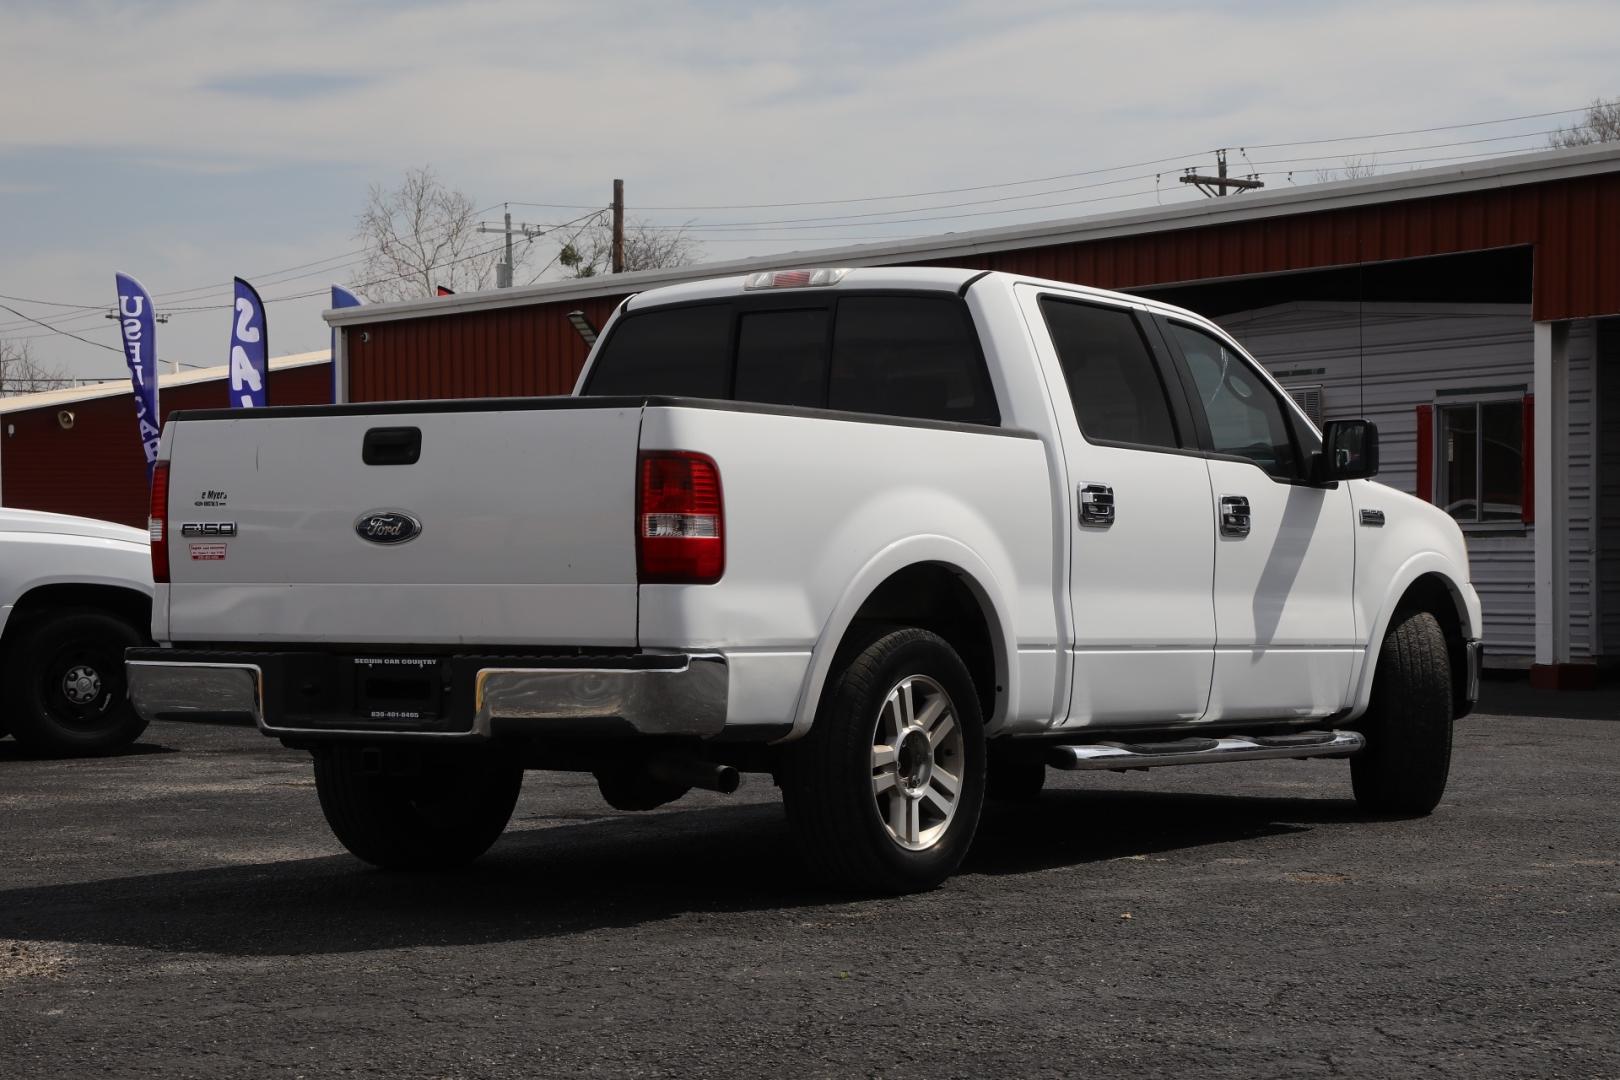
1432 593
128 604
938 598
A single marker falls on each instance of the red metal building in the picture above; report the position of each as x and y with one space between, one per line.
77 451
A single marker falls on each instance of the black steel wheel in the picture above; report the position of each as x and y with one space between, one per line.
65 689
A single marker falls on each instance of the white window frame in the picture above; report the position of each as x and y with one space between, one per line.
1496 395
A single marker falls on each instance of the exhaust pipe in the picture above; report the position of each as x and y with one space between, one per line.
694 773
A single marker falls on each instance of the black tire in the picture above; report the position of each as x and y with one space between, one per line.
65 688
442 811
1013 775
1403 770
829 775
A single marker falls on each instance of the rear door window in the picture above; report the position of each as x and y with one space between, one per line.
1114 384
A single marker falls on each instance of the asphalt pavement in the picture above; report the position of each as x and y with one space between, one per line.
182 911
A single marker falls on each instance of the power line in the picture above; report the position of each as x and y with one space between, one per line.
1423 131
893 217
52 303
1077 175
64 333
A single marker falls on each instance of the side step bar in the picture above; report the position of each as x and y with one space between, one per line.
1196 751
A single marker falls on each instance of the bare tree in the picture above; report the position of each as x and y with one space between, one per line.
422 235
1601 124
646 247
1354 168
20 373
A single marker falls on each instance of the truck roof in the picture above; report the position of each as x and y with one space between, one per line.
944 279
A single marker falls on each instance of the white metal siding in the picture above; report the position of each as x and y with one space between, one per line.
1607 349
1383 360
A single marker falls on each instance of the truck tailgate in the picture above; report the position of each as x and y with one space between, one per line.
526 518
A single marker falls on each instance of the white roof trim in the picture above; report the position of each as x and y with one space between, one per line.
75 394
1511 171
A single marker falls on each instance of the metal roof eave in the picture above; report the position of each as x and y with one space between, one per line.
1543 166
113 387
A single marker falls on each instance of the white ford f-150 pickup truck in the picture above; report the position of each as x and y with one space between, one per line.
901 538
74 594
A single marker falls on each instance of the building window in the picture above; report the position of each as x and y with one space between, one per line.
1480 477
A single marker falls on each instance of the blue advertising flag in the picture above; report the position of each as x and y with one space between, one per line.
135 326
250 356
341 298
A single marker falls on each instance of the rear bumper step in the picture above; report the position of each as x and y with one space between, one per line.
1197 751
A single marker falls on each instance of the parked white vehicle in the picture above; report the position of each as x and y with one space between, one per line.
74 594
901 538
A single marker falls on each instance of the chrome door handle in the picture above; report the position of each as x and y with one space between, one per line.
1234 515
1096 506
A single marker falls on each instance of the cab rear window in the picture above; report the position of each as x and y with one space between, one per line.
907 355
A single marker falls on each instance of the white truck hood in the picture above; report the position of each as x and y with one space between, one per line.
37 521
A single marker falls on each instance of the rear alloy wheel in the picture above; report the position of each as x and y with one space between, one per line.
65 687
1403 770
885 791
917 743
433 810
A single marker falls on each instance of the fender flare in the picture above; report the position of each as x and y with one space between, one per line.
102 581
1425 562
912 551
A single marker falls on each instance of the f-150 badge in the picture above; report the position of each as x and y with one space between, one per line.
208 528
387 527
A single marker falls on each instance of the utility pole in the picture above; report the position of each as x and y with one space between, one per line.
503 270
618 226
1218 184
174 365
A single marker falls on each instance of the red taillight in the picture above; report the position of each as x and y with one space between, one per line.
680 520
157 522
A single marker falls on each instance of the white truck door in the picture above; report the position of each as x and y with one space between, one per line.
1284 553
1140 520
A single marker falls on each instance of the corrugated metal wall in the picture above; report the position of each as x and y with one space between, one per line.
1397 356
96 468
509 352
1574 226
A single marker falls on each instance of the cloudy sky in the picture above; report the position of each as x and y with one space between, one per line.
185 142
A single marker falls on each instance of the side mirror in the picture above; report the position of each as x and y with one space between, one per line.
1349 451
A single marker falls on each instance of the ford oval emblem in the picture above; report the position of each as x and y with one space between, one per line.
387 527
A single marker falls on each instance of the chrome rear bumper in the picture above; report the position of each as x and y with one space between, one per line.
195 691
667 695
